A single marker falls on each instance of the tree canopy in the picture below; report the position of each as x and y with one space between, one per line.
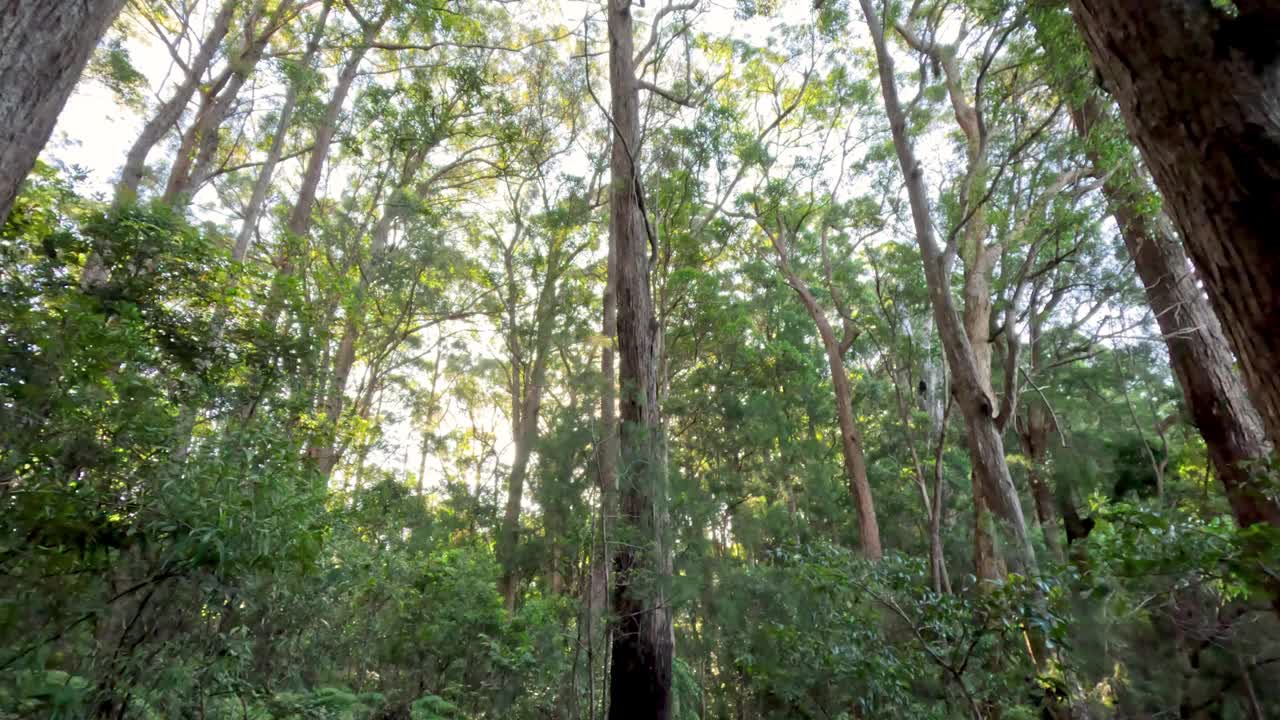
408 360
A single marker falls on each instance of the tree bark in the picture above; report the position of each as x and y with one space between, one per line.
298 226
261 186
327 455
170 111
986 448
855 464
200 141
525 430
1200 96
44 47
1198 351
643 641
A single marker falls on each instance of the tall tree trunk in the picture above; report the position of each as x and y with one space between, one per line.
855 463
170 111
606 457
526 436
327 453
1200 95
643 641
986 448
44 47
200 141
1198 351
262 185
298 226
978 404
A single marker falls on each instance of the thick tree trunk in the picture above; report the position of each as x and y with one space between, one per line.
1198 351
1200 95
643 641
986 448
855 464
170 111
44 47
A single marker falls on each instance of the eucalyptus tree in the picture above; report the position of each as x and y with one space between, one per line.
536 249
1200 96
44 47
1199 352
643 641
194 70
801 230
428 129
196 159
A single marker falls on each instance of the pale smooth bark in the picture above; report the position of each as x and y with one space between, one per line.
969 382
199 143
170 111
855 464
262 185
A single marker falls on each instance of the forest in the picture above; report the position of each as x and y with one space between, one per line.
639 360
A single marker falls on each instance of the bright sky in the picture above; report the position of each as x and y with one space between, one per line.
95 131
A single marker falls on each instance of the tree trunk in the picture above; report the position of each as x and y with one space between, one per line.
327 454
855 464
643 641
44 47
298 226
1034 434
170 111
200 141
986 448
1200 95
261 186
1198 351
606 457
526 436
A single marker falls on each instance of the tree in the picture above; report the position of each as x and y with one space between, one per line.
1200 97
643 641
44 47
970 375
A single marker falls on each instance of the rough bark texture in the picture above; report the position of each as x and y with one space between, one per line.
1200 95
170 111
44 47
643 641
1198 350
986 448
